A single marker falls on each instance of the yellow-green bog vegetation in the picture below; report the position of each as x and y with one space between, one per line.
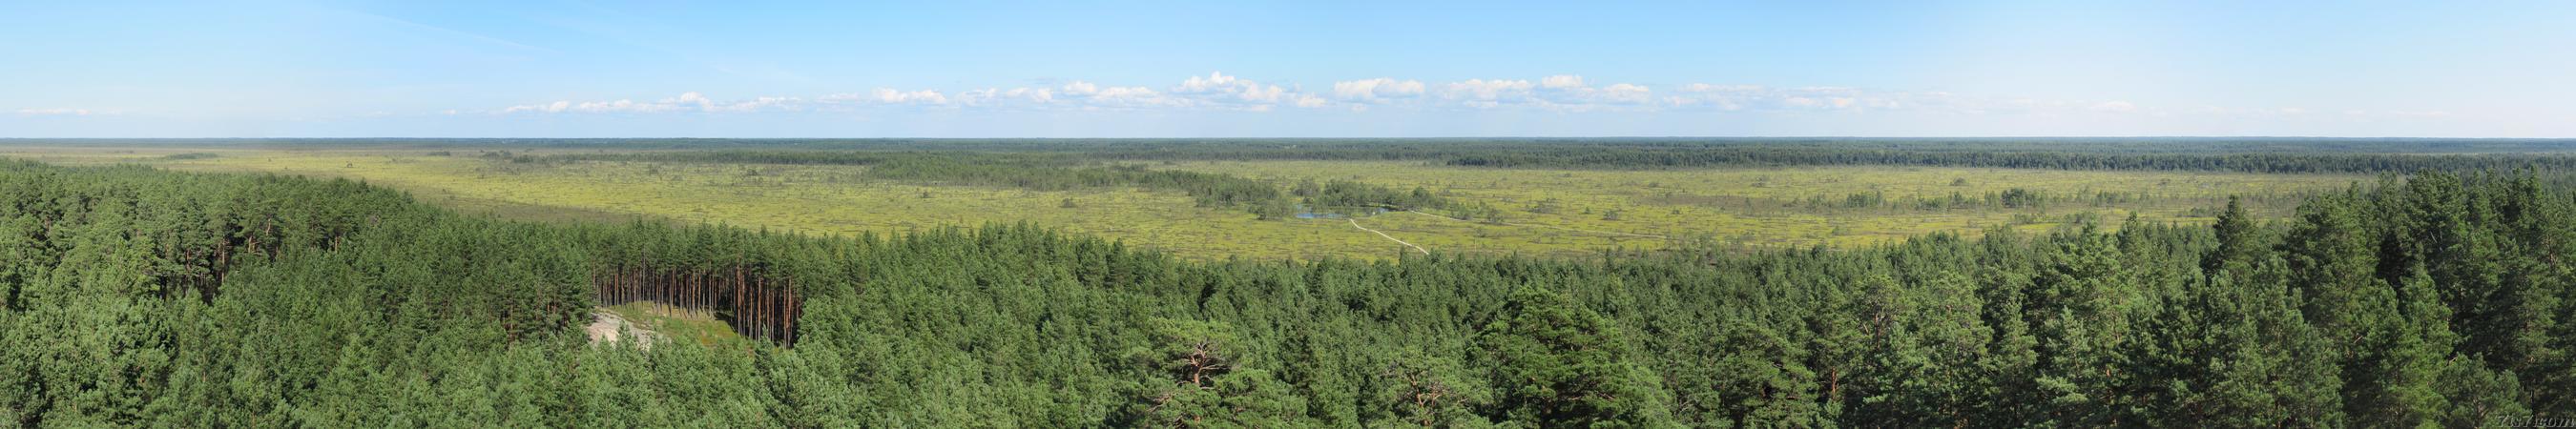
1531 211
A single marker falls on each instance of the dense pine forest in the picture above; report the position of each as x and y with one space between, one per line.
137 297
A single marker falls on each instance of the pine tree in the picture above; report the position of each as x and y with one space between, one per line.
1924 343
1556 364
1197 379
1433 391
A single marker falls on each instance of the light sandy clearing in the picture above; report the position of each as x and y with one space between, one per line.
604 326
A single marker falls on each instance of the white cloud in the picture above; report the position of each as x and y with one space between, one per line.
53 111
1128 97
757 104
1559 93
686 102
1041 95
1376 89
1090 96
1260 93
1218 91
556 107
891 96
1214 80
1627 93
2415 113
1214 91
1562 81
1486 90
1755 98
1080 88
1310 101
996 97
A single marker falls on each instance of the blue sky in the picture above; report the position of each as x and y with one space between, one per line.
1288 69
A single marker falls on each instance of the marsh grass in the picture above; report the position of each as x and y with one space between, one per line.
1751 207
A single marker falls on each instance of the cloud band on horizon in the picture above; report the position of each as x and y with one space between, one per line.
1557 93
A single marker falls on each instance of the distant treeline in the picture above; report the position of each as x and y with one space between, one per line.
2252 155
136 297
2237 162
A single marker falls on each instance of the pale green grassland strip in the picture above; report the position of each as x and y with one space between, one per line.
1631 234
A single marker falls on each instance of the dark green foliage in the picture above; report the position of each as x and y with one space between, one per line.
133 297
1431 391
1556 364
1197 379
2019 198
1340 194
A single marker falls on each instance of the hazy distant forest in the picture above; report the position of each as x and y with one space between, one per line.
1540 283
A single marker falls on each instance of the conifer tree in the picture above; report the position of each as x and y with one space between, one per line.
1556 364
